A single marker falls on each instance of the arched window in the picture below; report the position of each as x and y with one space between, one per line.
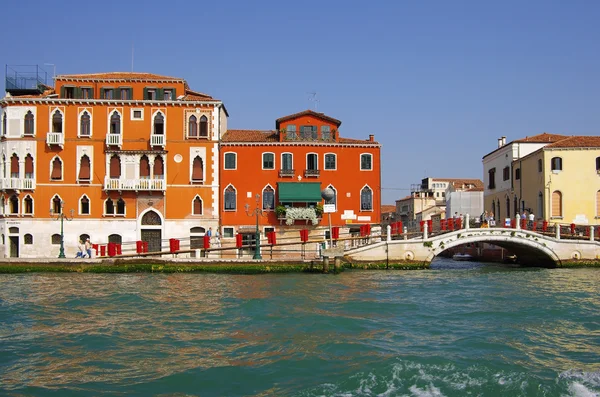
109 207
268 198
598 164
84 205
115 167
366 199
598 203
115 238
197 206
85 124
151 218
56 173
121 207
57 205
57 121
14 204
517 174
115 123
28 205
197 170
29 123
268 161
192 127
508 208
29 166
84 169
540 165
556 204
159 124
28 239
312 161
144 167
55 239
4 124
556 164
203 126
230 199
159 168
14 166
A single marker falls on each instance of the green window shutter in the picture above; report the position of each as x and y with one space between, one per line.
130 92
145 93
78 94
92 93
62 92
174 93
159 94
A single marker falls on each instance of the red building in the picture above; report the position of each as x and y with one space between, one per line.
282 172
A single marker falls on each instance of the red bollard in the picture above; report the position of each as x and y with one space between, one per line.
206 241
238 241
139 247
173 245
95 247
544 226
368 230
112 249
451 224
459 223
304 235
421 223
443 224
335 232
144 246
572 228
119 251
430 225
273 238
523 224
103 250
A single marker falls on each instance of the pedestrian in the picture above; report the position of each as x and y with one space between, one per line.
456 215
531 219
80 250
524 215
88 247
217 238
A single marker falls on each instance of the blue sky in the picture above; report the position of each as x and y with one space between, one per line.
436 82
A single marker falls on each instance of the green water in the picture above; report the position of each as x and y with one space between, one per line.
478 330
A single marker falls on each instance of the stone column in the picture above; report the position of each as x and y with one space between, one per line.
518 222
557 231
467 222
405 232
389 233
425 231
591 233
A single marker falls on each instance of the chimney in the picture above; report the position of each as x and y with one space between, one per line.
499 142
503 140
371 138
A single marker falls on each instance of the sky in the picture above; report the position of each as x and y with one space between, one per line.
436 82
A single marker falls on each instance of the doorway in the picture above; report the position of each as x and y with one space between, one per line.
14 246
154 239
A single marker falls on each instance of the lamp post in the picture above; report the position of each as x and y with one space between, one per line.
61 216
256 212
328 194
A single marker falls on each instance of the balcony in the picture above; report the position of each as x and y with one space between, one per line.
134 184
114 140
157 140
312 173
55 138
286 173
17 183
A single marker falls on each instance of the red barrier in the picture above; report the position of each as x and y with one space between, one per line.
513 223
368 230
451 224
206 241
458 223
421 223
400 228
523 223
95 247
173 245
103 250
272 238
430 225
119 251
139 247
335 232
112 249
144 246
443 224
572 228
304 235
238 241
544 226
587 231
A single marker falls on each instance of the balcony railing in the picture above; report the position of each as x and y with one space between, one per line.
17 183
134 184
310 137
114 140
157 140
55 138
283 173
312 173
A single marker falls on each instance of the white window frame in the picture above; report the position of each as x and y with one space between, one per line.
225 162
336 195
372 199
52 200
262 194
316 156
32 206
263 161
232 232
281 158
62 169
89 111
360 162
79 205
235 190
325 162
62 112
34 123
133 110
164 113
112 111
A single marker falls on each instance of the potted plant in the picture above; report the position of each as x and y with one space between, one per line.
280 211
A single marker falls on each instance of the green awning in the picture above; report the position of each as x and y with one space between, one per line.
299 192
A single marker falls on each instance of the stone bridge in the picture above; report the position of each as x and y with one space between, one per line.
530 247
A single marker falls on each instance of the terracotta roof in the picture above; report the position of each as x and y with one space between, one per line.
191 95
459 183
576 141
475 189
350 140
388 208
117 76
307 113
250 136
541 138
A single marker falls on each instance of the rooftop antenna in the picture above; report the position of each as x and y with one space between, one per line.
132 56
313 98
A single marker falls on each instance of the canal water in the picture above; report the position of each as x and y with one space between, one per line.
460 329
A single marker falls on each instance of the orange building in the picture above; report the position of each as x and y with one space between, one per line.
133 155
283 171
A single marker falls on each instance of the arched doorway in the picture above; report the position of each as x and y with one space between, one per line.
151 230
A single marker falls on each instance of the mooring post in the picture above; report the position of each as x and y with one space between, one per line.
425 231
325 264
405 232
337 264
591 233
518 222
389 233
467 222
557 231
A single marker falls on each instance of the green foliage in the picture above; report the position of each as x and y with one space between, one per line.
319 209
280 211
513 233
427 244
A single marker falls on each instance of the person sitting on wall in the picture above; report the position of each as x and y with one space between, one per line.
80 252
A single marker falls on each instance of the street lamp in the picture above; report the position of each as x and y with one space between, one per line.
256 212
328 194
61 216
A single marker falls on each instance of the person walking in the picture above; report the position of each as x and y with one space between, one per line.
209 234
217 238
88 247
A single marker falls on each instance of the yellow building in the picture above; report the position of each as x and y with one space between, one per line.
560 182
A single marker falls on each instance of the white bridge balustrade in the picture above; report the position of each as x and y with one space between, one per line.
157 140
17 183
55 138
134 184
114 140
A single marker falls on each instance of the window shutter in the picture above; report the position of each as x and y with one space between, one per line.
145 93
130 92
29 165
173 93
14 165
102 93
115 167
197 169
158 167
78 93
91 89
159 94
144 167
62 92
84 168
197 206
56 169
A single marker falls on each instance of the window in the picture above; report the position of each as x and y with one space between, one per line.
597 164
57 121
29 167
28 205
85 125
150 95
312 162
56 174
14 204
517 174
330 161
192 127
365 162
144 167
556 204
109 207
14 166
268 198
69 92
556 164
84 169
115 167
516 204
197 206
286 162
197 170
167 95
159 124
308 132
86 93
84 205
230 159
539 165
325 132
55 239
203 126
507 208
366 199
115 238
4 124
290 132
29 124
159 168
540 205
125 93
115 123
137 114
57 205
107 93
230 198
268 161
492 178
334 199
227 232
28 239
121 207
506 174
